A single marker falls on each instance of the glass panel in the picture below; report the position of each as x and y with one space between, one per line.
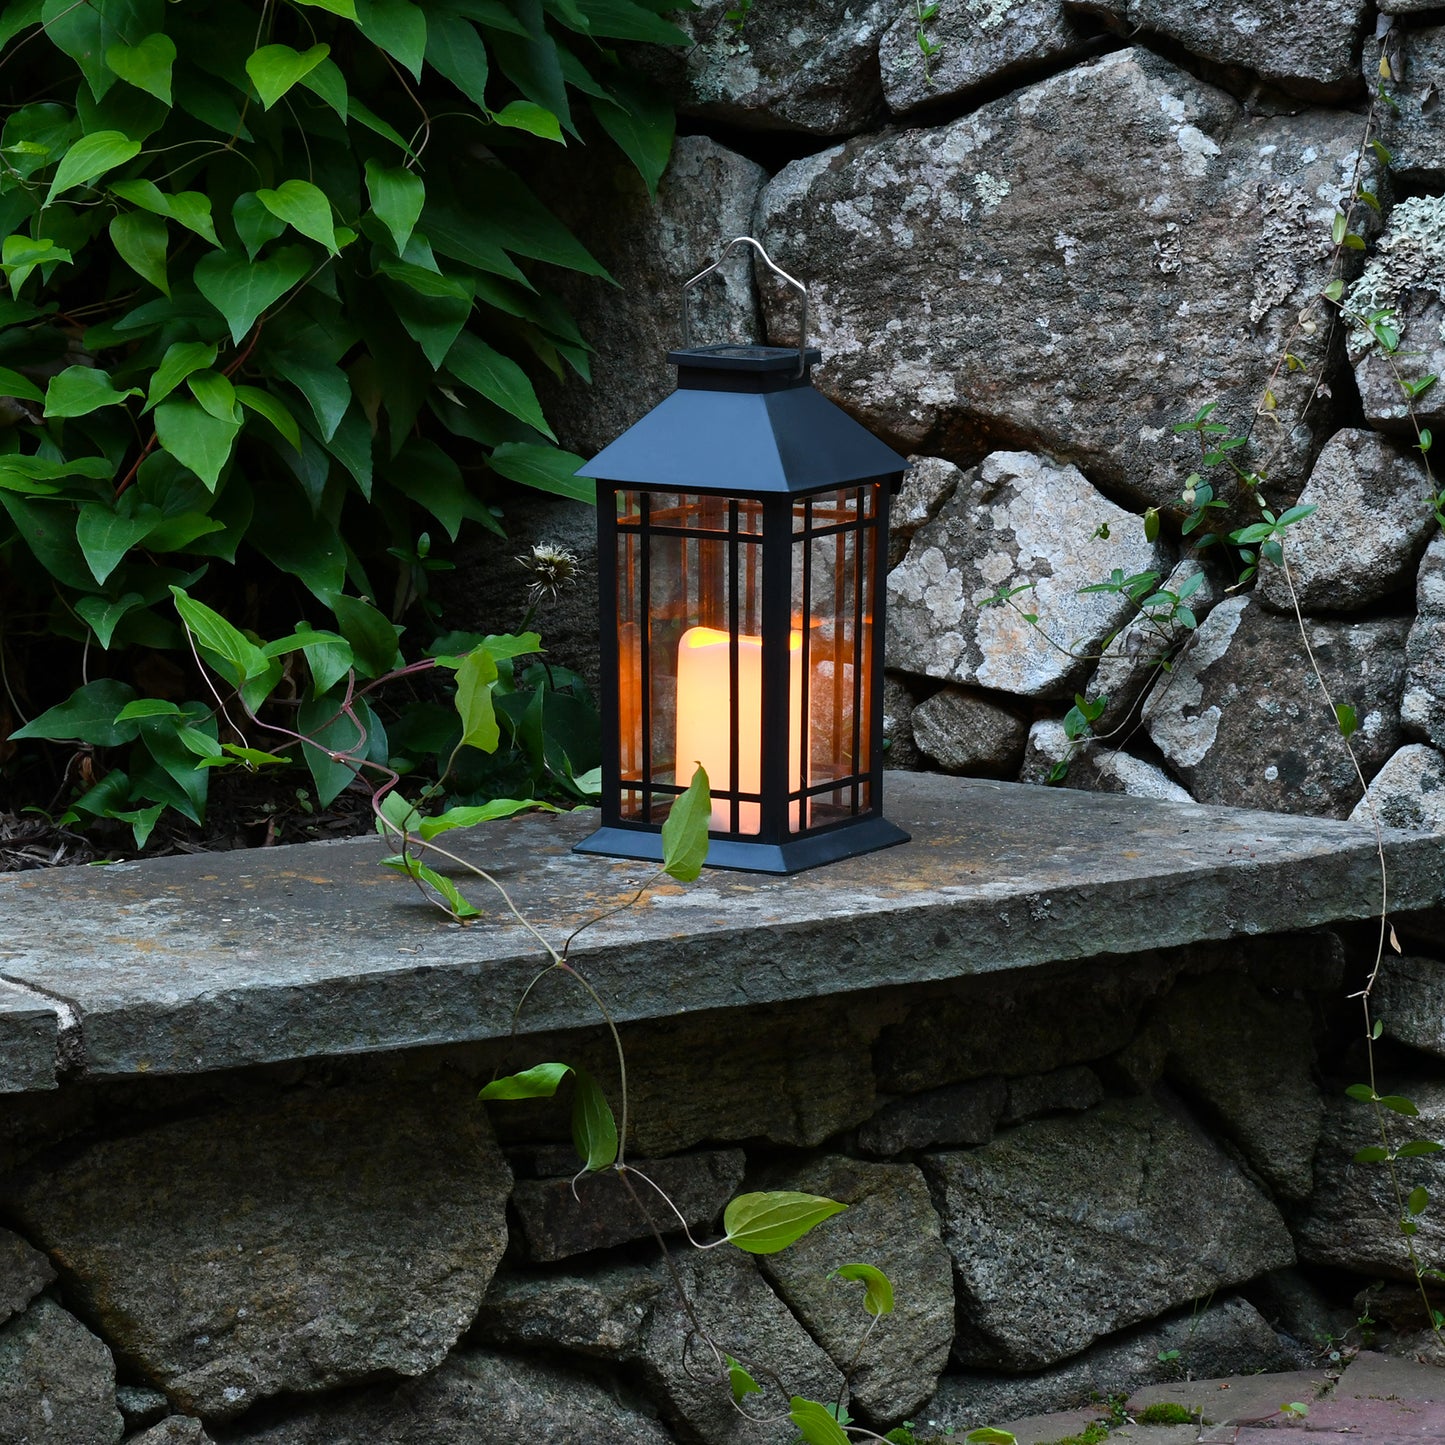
689 578
835 535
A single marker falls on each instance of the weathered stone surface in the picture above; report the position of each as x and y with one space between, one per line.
600 1312
1226 1338
927 484
737 1309
1094 766
174 1430
1134 660
475 1398
964 732
1410 999
1411 127
24 1272
1352 1221
1422 706
1406 277
30 1030
899 748
556 1222
1029 323
57 1381
1249 1061
983 42
941 1118
1408 792
1065 1230
1311 1326
172 974
1430 580
141 1405
1034 1024
1307 47
1243 720
812 69
1015 519
1064 1091
1367 534
705 196
288 1246
889 1223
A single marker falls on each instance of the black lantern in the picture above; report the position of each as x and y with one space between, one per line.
742 544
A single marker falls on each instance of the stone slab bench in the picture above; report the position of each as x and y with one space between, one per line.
189 964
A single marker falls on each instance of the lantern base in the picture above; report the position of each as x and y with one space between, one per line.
847 841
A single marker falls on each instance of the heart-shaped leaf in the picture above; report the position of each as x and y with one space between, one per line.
145 65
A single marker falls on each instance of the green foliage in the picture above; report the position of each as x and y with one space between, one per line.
1165 1412
878 1288
263 337
594 1130
768 1223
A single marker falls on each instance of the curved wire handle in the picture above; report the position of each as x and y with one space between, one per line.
775 269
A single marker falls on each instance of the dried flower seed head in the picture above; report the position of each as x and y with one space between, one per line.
553 569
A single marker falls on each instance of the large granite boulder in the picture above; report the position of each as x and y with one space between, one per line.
292 1245
981 44
1410 128
598 1312
1408 792
742 1317
1306 47
969 732
477 1397
971 290
811 68
1229 1337
1406 277
889 1224
24 1272
1094 767
1353 1221
938 1118
1013 520
57 1381
1242 720
1065 1230
1248 1061
1422 708
564 1216
927 485
1367 532
1410 1000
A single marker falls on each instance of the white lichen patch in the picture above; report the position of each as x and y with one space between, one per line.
1182 732
1196 148
990 14
991 190
1409 256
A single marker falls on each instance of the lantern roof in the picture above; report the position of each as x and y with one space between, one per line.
745 420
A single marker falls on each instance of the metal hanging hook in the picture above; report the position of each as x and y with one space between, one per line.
775 269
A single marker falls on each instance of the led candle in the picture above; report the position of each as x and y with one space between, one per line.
704 719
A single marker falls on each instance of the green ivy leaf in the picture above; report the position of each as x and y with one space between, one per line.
475 676
546 469
397 197
1346 719
594 1130
878 1288
369 632
527 115
740 1382
1418 1200
303 207
181 359
146 64
538 1082
469 817
397 27
241 289
814 1423
88 715
1416 1147
103 616
195 438
191 209
324 385
454 48
344 8
273 409
19 387
1398 1104
215 394
90 157
1371 1154
439 883
497 377
241 659
640 120
105 535
684 832
139 239
770 1222
274 69
80 390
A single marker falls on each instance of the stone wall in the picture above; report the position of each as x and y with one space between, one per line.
1080 1178
1029 258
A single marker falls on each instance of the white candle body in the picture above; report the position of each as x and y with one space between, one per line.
704 716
